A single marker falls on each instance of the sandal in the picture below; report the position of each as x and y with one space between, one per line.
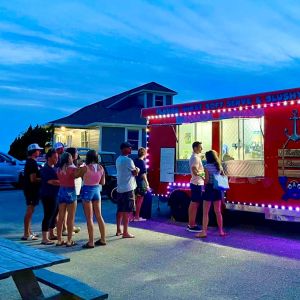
201 235
53 238
71 244
61 243
47 243
119 233
100 243
87 246
29 238
128 236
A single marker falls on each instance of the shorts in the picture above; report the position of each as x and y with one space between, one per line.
212 194
67 195
90 193
125 202
32 198
196 193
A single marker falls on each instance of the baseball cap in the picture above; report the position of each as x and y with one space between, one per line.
34 147
58 145
125 145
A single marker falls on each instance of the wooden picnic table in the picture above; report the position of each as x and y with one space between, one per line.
19 261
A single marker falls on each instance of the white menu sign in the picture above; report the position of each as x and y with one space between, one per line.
167 158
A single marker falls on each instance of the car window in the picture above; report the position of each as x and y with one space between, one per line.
2 158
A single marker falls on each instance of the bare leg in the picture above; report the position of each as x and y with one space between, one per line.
217 209
138 202
101 224
61 216
126 234
119 221
27 220
205 219
71 209
193 208
88 211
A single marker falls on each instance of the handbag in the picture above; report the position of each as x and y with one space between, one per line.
220 182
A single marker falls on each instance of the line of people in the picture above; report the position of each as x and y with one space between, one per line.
55 184
62 179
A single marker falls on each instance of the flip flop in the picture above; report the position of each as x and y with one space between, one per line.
53 238
61 243
100 243
87 246
47 243
201 235
119 233
71 244
129 236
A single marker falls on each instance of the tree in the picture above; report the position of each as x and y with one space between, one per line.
39 134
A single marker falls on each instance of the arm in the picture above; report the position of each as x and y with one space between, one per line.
79 172
34 178
54 182
134 170
144 176
206 179
102 180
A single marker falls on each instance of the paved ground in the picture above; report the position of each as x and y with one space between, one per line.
256 261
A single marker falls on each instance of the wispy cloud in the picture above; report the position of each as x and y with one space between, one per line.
25 53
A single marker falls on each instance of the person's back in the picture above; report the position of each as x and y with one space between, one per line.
125 179
93 175
212 170
31 167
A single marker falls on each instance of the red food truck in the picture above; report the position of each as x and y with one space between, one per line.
256 137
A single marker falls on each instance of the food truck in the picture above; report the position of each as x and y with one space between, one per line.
257 138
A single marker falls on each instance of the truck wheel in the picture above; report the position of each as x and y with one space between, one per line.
179 202
110 191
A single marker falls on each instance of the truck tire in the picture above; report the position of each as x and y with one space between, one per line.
111 191
179 202
113 195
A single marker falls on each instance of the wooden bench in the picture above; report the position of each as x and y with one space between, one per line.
70 288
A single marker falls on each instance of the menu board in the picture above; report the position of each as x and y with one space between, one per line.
167 159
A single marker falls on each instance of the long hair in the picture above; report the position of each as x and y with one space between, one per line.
92 157
72 151
64 161
212 158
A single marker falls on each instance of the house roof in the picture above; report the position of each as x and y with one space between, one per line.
105 111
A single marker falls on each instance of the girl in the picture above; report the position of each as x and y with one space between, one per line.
211 195
90 196
67 198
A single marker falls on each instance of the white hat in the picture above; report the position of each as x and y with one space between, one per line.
58 145
34 147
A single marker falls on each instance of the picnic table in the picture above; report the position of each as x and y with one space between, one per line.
19 261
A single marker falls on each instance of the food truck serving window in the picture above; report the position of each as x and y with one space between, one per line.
243 146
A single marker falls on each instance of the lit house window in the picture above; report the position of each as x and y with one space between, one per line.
84 139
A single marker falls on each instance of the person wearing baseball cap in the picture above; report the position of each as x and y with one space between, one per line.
126 184
31 188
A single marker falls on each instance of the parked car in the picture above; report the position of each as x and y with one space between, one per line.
108 162
11 170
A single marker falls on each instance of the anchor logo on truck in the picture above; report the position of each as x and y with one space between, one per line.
295 136
291 188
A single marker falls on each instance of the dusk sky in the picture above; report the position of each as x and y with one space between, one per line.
58 56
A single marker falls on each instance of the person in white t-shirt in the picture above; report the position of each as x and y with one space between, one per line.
196 185
126 184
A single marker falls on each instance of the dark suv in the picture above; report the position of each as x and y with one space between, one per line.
108 162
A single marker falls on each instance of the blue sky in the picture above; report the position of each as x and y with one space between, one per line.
58 56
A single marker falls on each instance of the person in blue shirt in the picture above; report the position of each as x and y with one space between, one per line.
49 191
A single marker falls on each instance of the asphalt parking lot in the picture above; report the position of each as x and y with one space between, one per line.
258 260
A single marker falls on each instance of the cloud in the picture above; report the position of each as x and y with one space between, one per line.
25 53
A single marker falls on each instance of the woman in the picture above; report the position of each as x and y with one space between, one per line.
211 195
67 198
91 197
141 182
49 191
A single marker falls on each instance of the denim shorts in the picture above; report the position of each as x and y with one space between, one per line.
90 193
67 195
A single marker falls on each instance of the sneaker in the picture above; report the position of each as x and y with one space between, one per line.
195 228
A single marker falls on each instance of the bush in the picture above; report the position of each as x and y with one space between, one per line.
38 134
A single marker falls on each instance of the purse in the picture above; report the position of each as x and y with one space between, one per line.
220 182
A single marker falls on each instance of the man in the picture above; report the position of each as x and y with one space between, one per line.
196 185
31 188
126 184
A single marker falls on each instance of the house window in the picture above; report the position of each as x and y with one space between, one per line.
69 140
158 100
133 136
84 139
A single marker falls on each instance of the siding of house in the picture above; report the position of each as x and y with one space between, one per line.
94 135
149 99
169 100
112 138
